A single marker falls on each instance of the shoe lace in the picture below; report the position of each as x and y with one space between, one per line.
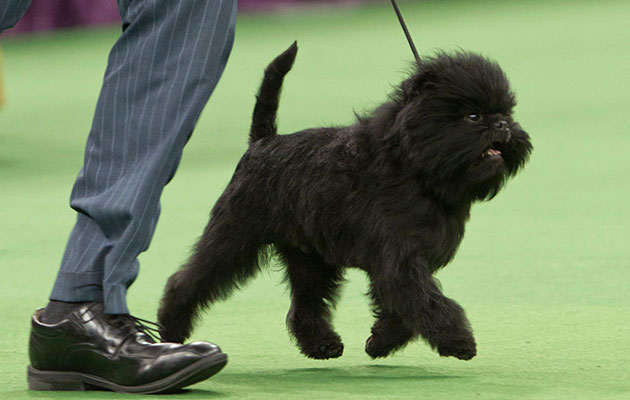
149 328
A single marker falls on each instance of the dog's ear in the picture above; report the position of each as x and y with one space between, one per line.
418 83
426 80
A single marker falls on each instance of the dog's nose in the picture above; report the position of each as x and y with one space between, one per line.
504 128
501 125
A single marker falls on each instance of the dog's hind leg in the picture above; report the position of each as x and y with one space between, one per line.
314 287
224 258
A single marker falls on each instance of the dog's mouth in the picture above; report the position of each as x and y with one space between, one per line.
492 153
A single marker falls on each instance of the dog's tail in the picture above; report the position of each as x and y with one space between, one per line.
264 117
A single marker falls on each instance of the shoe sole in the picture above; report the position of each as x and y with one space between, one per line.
76 381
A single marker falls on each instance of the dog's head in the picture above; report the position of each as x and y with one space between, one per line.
452 126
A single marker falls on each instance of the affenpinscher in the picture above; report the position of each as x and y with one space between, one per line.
389 194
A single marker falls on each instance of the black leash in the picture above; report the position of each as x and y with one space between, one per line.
404 26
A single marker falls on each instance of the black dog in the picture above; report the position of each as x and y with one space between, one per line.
389 194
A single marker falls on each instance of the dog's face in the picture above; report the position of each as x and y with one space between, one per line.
456 129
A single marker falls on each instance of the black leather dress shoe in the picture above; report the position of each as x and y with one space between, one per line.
90 350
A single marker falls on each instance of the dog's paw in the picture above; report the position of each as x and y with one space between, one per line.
463 348
375 348
174 328
324 349
172 335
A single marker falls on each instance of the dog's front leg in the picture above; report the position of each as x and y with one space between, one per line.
389 334
408 302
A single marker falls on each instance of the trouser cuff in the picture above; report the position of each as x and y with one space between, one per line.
78 286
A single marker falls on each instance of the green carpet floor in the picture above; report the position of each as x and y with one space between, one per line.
544 269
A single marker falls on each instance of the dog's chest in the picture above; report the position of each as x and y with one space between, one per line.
440 243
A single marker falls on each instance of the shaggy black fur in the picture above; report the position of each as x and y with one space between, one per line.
389 195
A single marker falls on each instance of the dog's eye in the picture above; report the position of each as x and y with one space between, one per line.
474 117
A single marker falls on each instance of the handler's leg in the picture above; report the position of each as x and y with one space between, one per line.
11 11
159 76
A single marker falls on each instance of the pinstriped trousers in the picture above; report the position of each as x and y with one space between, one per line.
159 76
